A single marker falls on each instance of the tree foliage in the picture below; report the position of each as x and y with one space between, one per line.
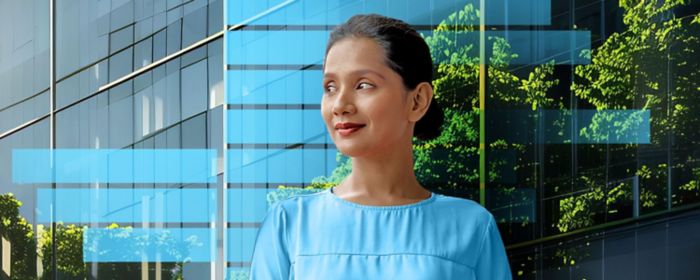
69 252
72 244
650 66
15 229
451 160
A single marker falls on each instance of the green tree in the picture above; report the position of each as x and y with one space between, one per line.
449 161
69 253
15 229
71 246
651 66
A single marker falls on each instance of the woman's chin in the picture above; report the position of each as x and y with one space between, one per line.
351 150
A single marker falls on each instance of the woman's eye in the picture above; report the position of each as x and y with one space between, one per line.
329 88
365 85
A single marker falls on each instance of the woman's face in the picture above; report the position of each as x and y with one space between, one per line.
360 90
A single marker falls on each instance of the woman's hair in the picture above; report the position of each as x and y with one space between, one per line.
406 53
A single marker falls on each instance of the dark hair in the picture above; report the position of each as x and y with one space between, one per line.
406 53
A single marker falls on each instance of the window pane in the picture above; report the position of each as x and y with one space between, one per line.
174 35
142 53
194 56
67 37
120 64
120 123
172 92
216 14
143 113
216 73
121 39
194 132
194 89
122 14
194 27
159 48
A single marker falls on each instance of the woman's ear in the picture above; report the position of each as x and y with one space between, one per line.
419 101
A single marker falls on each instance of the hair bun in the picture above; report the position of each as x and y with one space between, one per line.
430 126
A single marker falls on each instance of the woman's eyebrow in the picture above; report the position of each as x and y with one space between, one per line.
359 72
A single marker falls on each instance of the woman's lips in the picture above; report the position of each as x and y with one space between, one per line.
349 131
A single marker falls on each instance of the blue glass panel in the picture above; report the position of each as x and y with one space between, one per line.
114 166
275 126
416 12
302 48
591 126
278 166
246 205
194 93
127 205
274 86
614 126
240 244
149 245
276 47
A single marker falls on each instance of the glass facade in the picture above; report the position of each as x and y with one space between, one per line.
147 138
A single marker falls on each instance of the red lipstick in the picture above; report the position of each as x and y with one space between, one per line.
347 128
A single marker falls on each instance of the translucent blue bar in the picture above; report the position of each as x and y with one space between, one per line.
114 166
516 12
539 47
614 126
274 86
276 47
416 12
237 273
149 245
308 47
241 242
278 194
581 126
276 126
127 205
249 205
279 166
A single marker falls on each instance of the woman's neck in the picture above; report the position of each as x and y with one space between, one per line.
384 178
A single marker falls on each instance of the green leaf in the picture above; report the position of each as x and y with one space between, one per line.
696 19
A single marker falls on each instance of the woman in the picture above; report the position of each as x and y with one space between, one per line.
379 223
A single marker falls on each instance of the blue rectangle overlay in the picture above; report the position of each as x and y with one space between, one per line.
274 87
580 126
279 166
614 126
127 205
249 205
416 12
241 243
276 127
114 166
530 47
149 245
277 47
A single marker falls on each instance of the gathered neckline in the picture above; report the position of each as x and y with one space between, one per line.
432 197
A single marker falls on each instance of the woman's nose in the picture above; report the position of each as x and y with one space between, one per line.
343 103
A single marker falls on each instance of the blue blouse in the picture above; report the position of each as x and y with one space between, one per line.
322 236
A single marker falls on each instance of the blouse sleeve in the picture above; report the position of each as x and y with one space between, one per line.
492 262
270 255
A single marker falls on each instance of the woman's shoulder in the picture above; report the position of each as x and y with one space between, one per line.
290 199
463 207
